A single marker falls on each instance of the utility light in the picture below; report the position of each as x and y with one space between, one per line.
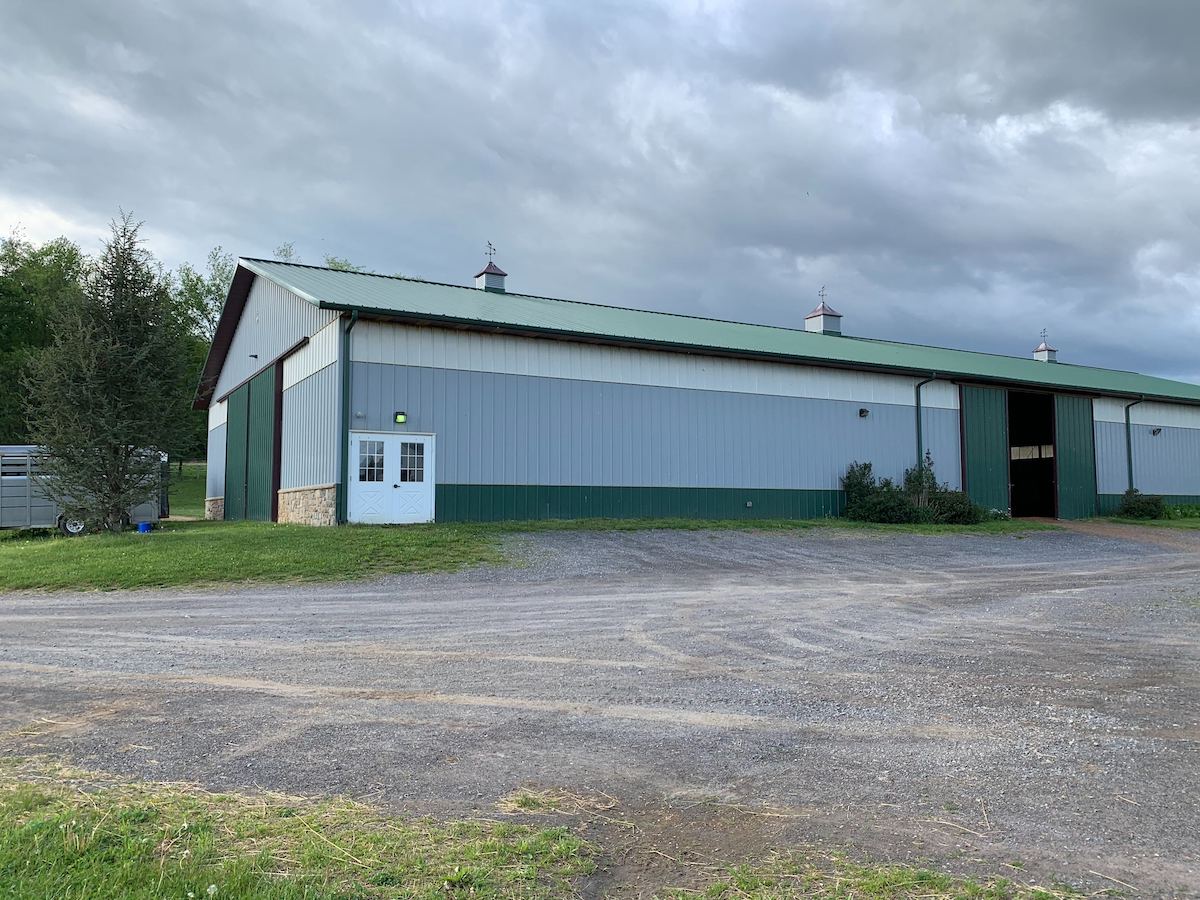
401 418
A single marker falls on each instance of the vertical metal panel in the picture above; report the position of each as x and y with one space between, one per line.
985 445
309 451
260 456
273 320
511 429
1111 468
215 473
1075 456
237 432
1166 463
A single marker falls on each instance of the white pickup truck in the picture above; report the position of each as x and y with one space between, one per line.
24 505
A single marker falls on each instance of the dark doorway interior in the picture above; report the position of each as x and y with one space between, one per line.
1031 454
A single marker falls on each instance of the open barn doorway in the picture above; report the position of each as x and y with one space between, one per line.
1031 467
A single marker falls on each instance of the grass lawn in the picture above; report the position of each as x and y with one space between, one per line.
186 490
221 552
69 833
66 833
191 553
1193 523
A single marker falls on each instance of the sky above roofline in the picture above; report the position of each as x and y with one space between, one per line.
965 180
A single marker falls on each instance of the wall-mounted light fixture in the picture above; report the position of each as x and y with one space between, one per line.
863 412
1155 431
400 418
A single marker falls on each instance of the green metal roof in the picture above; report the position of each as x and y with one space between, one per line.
425 301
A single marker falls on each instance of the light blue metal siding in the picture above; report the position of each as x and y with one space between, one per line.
273 320
515 429
941 439
1112 473
311 421
1166 463
215 483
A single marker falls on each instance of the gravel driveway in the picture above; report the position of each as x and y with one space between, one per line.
976 701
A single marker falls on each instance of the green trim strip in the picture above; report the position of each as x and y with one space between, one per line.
519 502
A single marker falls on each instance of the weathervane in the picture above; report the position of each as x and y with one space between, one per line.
1043 335
821 293
491 251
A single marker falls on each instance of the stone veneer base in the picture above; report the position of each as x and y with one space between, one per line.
214 508
315 505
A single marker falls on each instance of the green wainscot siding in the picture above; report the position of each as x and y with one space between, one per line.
514 502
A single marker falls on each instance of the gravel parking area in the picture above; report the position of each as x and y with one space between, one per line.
1030 701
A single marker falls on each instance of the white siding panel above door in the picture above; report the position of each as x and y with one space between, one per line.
440 348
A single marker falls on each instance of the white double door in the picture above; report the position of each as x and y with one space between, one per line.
391 478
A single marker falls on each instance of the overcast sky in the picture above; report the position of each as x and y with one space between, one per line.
961 174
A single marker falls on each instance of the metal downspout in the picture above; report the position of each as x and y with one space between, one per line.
920 427
344 480
1129 439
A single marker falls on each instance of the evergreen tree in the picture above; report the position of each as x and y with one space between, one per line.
104 395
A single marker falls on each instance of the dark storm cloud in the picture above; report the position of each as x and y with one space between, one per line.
961 174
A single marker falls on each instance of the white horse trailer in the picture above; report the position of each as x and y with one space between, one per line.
23 504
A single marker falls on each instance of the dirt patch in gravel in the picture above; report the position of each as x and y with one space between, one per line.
971 701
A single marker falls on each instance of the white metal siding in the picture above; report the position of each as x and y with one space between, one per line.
273 320
440 348
311 423
321 351
214 485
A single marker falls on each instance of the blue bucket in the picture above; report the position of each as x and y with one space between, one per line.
144 527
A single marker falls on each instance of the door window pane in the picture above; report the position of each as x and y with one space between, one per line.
370 460
412 461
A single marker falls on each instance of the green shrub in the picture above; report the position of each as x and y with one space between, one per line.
955 508
858 483
1184 511
890 506
920 482
1136 505
920 499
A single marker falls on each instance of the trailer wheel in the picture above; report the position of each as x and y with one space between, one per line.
72 526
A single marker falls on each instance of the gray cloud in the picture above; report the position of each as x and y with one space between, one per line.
963 179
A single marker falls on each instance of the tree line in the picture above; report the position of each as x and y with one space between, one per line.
99 362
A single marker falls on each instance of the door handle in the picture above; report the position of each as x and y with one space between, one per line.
395 485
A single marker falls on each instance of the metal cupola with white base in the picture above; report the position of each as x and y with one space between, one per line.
1043 352
491 277
824 319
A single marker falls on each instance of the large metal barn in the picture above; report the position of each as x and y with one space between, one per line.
348 397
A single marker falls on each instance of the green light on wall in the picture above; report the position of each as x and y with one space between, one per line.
401 418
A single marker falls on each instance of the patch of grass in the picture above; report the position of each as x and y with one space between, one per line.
186 489
1192 524
68 833
835 876
189 553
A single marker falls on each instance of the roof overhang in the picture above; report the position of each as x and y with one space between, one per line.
231 314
